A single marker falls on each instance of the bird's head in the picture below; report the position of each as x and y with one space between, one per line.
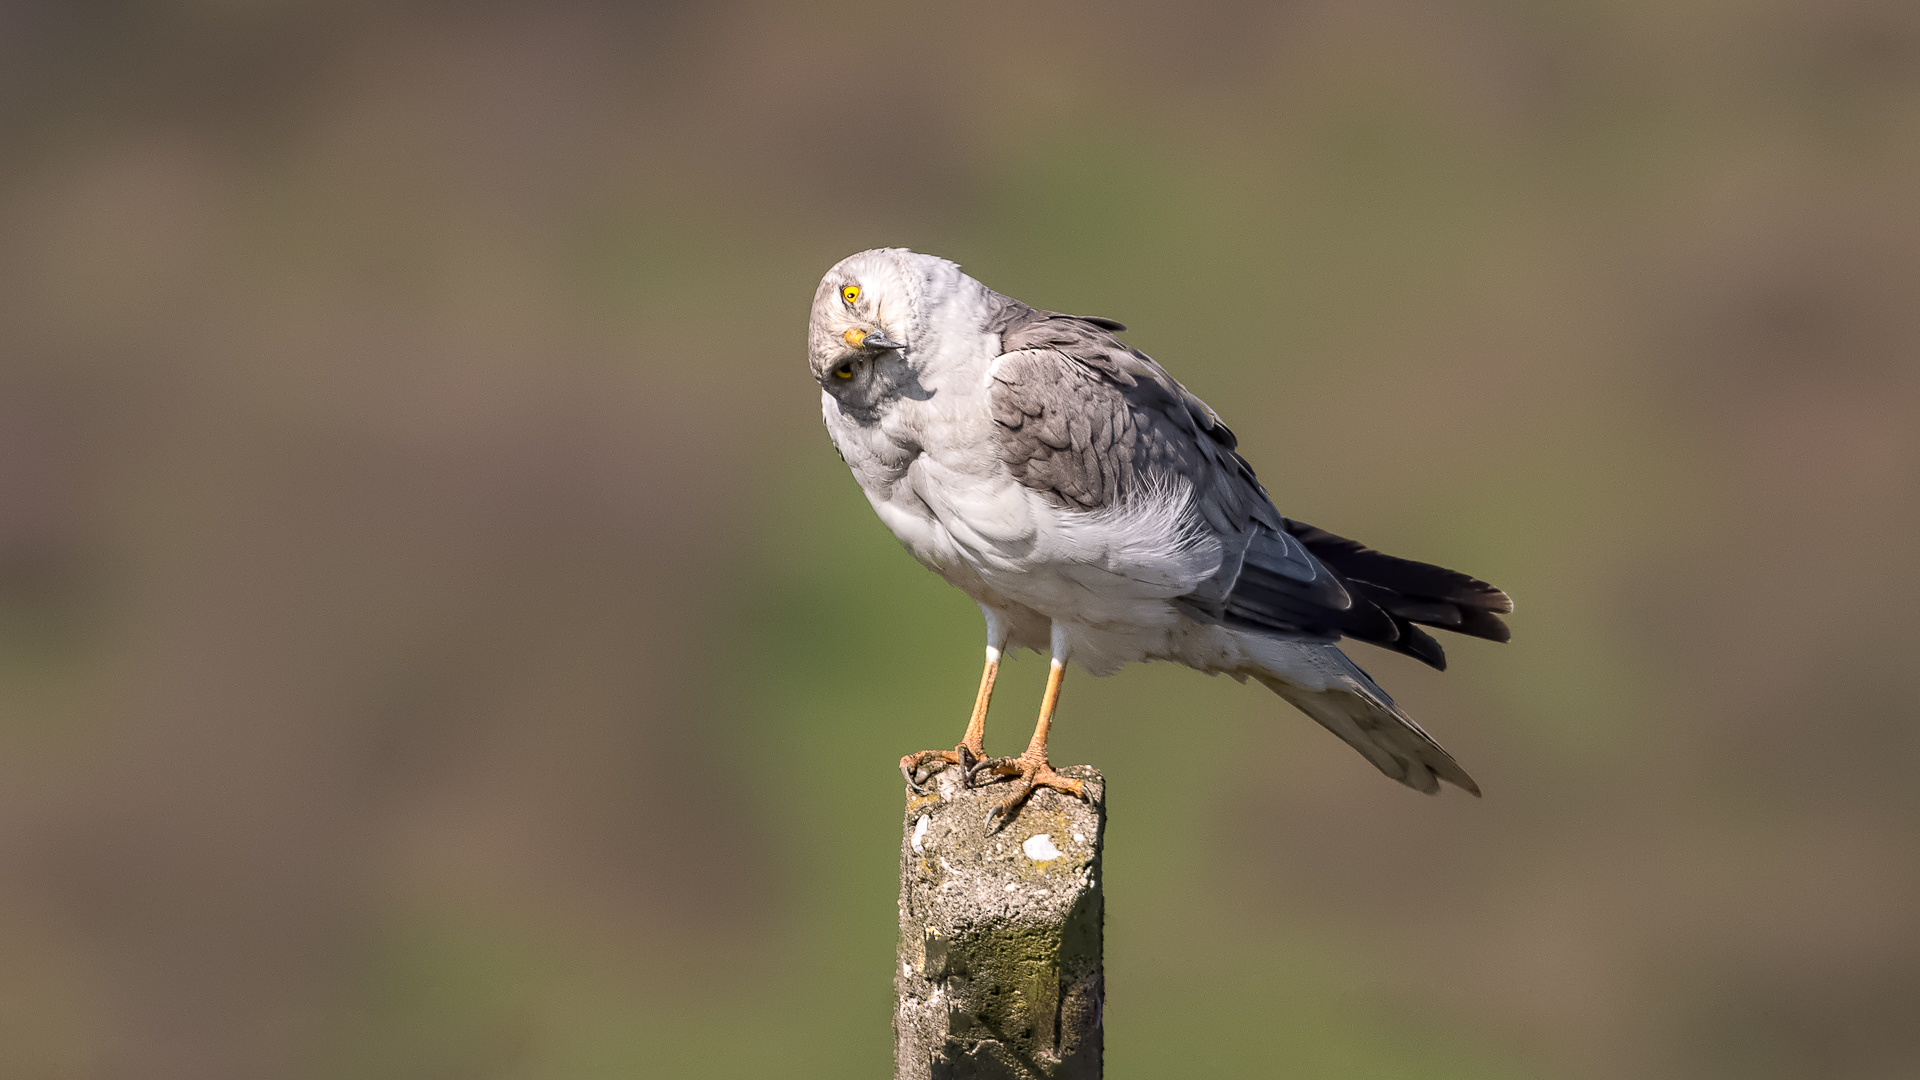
873 307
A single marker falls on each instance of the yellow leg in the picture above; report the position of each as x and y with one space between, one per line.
976 737
973 745
1037 746
1032 767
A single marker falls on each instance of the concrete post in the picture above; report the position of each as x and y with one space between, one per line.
999 970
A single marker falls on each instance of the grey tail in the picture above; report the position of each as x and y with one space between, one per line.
1366 719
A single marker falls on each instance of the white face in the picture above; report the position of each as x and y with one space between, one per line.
865 311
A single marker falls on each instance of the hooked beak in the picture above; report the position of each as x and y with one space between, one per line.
877 339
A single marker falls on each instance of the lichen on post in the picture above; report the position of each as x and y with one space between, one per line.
999 969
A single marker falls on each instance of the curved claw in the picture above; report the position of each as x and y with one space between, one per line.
974 772
973 768
994 820
912 764
931 761
907 771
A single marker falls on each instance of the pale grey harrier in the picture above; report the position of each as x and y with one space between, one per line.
1092 506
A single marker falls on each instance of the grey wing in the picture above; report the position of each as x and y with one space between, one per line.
1093 422
1090 421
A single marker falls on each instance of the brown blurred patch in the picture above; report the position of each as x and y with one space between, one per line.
391 398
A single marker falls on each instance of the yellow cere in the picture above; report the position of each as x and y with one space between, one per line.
849 293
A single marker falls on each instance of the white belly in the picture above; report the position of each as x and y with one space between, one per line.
1108 574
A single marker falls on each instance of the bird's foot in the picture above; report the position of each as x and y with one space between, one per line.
967 757
1034 772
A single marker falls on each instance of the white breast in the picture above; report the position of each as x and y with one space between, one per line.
932 473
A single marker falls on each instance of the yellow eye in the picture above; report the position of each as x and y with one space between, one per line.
849 293
844 371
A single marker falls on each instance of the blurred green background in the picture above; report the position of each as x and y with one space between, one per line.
437 639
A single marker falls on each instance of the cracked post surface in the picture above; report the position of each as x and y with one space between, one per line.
998 973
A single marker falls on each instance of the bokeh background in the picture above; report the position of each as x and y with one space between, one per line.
437 639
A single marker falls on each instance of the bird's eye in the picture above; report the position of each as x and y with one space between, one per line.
844 371
849 293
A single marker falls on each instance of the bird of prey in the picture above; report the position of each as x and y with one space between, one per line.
1095 508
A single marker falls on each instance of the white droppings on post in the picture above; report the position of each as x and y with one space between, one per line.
920 833
1078 839
1039 847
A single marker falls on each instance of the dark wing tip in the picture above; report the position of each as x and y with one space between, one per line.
1420 645
1482 624
1419 591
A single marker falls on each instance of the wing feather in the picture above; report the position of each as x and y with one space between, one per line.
1087 419
1065 383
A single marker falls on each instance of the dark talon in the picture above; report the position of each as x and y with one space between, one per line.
969 765
918 772
991 816
986 763
907 772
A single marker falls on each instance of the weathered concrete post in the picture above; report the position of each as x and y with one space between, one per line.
999 972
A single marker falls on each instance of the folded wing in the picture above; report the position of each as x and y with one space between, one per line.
1091 421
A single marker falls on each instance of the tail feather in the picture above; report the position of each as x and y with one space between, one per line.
1353 707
